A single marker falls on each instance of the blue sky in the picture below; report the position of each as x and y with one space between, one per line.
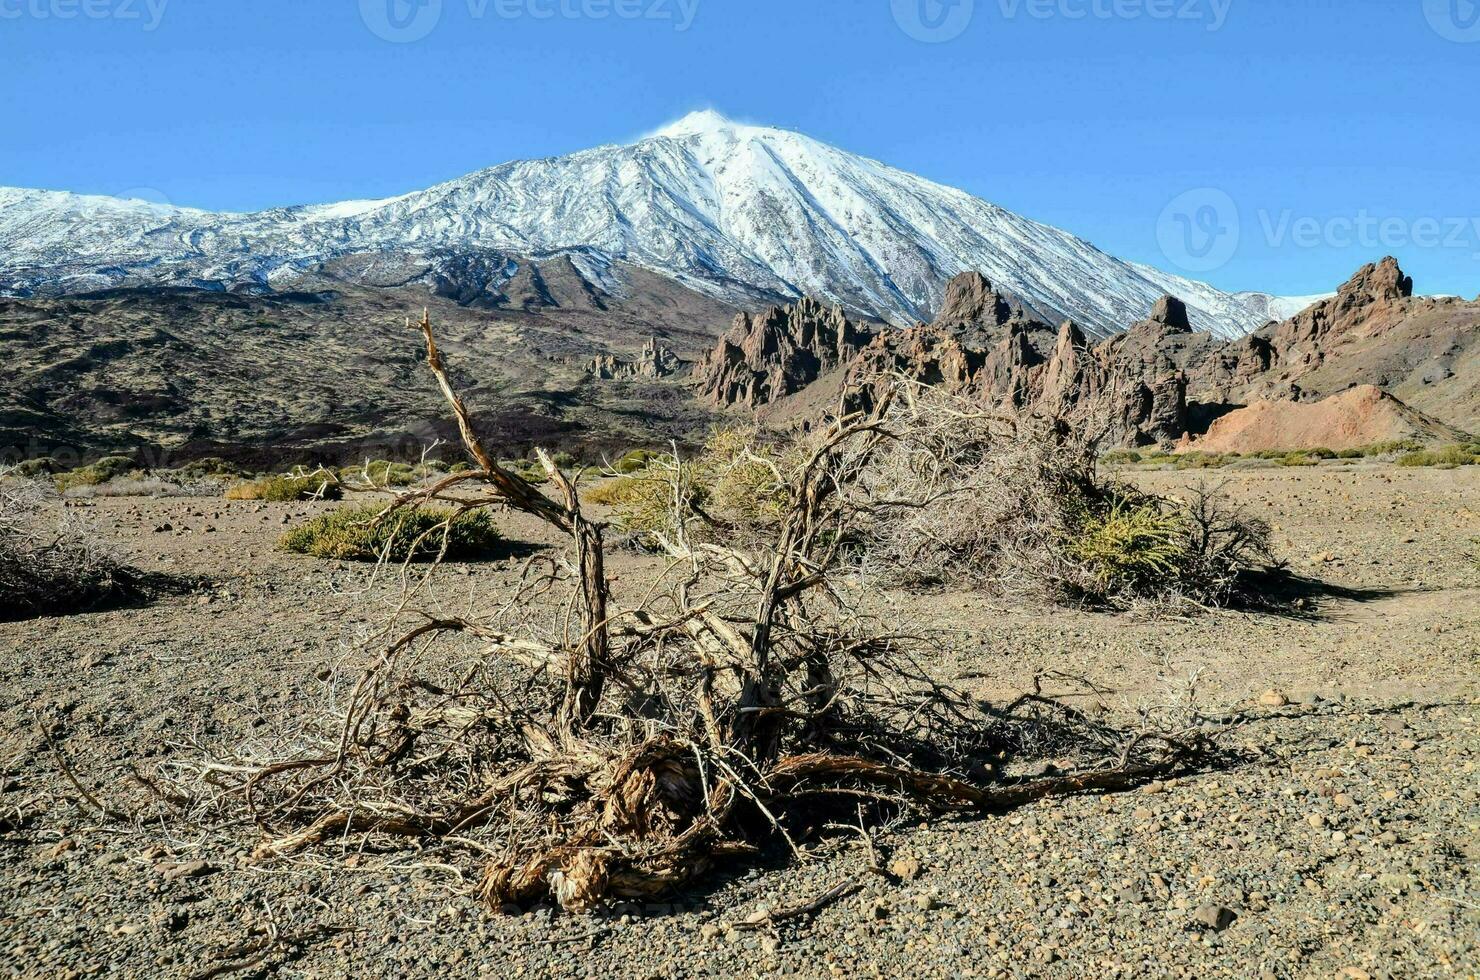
1326 132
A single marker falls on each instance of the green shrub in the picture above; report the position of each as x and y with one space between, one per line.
93 474
44 466
380 473
356 534
1350 454
643 501
1446 458
1203 461
1131 545
1299 458
211 466
284 489
1121 457
635 461
731 481
1321 453
1392 447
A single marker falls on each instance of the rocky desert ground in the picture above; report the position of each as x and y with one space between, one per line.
1345 846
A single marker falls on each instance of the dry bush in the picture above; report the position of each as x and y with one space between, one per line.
584 748
138 485
51 562
1015 504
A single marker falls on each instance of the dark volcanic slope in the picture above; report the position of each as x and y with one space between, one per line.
334 374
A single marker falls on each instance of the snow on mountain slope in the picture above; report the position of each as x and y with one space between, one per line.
727 209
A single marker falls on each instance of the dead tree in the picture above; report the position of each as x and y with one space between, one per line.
723 705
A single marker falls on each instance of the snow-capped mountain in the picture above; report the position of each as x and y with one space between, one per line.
731 210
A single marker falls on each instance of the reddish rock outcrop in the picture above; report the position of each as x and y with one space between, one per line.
1361 416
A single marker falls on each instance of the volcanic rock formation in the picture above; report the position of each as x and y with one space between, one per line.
769 355
1155 383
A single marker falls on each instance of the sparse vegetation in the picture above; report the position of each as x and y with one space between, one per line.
381 473
93 474
634 461
1447 457
1202 461
735 481
320 485
369 533
40 467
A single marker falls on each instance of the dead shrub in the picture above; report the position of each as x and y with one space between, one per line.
1015 505
51 562
586 749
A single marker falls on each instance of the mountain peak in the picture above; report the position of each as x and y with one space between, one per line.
697 123
734 210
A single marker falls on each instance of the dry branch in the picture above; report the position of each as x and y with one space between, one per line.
615 751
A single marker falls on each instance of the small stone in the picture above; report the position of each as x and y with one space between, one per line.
906 868
926 903
769 945
187 869
708 931
1394 724
758 916
1141 814
1399 883
1273 699
876 911
1316 820
1407 745
1214 917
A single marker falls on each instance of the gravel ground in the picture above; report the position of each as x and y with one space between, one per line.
1344 848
